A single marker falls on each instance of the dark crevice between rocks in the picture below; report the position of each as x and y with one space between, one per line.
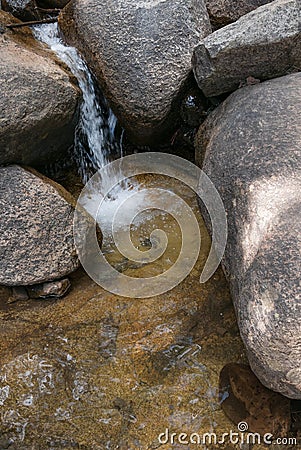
34 10
189 111
296 417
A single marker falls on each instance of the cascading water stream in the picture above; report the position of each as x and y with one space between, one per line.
95 137
95 142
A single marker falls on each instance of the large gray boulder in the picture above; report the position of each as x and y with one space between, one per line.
264 44
36 228
223 12
250 147
38 100
140 52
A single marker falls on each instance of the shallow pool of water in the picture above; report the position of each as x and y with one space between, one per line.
98 371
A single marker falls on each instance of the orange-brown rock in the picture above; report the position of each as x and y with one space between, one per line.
245 399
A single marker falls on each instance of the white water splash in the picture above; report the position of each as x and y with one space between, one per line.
95 140
95 136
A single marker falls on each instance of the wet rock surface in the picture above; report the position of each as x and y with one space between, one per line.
141 54
38 100
223 12
25 10
265 43
194 108
245 399
36 238
250 148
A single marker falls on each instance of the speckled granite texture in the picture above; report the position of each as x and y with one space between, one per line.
250 148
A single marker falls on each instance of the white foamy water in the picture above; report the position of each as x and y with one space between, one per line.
95 134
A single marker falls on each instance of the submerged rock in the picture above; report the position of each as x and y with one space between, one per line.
245 399
141 54
264 44
38 100
223 12
36 228
250 148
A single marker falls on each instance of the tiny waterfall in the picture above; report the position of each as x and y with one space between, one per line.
95 137
95 143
